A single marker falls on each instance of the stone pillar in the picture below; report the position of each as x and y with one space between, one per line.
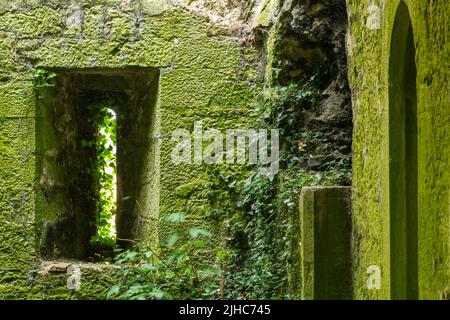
325 226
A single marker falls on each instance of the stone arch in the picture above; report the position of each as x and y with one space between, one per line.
403 190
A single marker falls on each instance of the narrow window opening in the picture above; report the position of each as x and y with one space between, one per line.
98 182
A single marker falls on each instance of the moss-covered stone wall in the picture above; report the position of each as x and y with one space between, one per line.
207 73
325 251
369 51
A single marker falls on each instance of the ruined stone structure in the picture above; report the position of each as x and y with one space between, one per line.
168 64
399 237
399 56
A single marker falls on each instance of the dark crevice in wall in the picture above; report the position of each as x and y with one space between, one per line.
311 44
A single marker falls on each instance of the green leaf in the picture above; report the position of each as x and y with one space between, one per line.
172 240
222 254
177 217
199 244
196 232
113 291
146 267
177 256
210 271
148 254
159 294
131 255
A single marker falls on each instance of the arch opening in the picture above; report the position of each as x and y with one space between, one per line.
403 159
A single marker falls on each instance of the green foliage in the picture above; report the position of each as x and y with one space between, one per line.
105 172
258 245
258 217
305 145
42 80
260 212
173 271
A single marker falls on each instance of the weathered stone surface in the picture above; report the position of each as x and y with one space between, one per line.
369 51
206 73
325 219
306 41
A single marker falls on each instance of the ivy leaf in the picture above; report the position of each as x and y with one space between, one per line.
199 244
113 291
222 254
172 240
146 267
131 255
196 232
159 294
177 217
177 256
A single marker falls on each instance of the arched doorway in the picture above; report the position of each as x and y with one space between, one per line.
403 159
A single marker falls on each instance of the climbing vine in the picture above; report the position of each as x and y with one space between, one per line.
257 245
260 211
171 271
42 80
104 170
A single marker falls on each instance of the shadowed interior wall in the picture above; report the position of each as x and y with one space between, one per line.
325 219
403 158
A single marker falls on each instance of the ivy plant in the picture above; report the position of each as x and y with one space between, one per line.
172 271
42 80
105 173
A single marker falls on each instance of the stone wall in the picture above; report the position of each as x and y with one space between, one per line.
368 46
325 219
207 73
306 40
